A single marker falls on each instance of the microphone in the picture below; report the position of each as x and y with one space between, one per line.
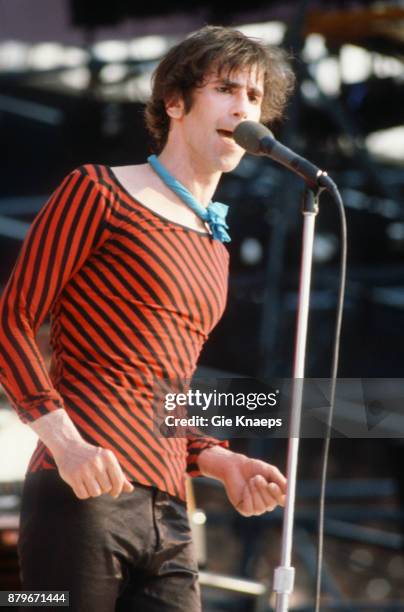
255 138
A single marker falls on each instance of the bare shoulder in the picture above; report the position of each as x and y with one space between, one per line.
145 186
141 182
134 178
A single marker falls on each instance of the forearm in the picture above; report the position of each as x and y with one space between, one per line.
215 461
56 430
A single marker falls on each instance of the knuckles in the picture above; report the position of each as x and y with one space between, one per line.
88 463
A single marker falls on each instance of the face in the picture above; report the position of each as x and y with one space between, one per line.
218 107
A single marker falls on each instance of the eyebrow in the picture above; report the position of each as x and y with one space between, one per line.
234 85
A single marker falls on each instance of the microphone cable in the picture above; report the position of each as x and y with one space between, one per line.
336 196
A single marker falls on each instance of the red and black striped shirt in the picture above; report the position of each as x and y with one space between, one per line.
132 298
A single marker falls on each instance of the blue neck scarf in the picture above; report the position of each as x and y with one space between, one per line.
214 215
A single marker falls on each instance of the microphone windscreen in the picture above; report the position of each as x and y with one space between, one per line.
248 135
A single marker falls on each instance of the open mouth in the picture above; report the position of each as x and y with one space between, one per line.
225 133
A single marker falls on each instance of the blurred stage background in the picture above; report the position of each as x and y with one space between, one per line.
74 76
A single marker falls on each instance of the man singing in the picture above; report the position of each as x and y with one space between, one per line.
131 264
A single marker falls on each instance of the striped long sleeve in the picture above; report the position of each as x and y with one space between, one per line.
68 228
133 297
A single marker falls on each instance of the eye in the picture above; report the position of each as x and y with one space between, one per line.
254 98
223 89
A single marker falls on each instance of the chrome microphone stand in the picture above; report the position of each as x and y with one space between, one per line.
284 574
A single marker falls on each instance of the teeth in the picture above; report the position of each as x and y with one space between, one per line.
226 133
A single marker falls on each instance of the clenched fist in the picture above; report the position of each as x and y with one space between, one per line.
91 470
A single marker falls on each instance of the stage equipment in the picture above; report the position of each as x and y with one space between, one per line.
257 139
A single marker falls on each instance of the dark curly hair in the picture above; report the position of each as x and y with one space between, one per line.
187 64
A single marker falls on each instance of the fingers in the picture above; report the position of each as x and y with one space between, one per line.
272 474
246 505
96 477
254 502
119 482
81 491
260 496
127 486
104 481
92 471
276 492
93 487
270 493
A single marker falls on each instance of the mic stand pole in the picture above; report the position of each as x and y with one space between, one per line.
284 574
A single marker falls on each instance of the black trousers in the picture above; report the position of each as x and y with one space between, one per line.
133 553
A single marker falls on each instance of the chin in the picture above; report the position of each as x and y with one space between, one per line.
229 163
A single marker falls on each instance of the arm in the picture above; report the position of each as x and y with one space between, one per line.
90 470
196 443
61 238
252 486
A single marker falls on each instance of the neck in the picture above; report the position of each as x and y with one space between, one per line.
189 171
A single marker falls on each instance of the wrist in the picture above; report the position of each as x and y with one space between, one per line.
64 443
57 431
215 461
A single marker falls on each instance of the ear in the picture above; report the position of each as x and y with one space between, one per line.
175 107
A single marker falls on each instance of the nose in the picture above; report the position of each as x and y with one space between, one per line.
241 105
